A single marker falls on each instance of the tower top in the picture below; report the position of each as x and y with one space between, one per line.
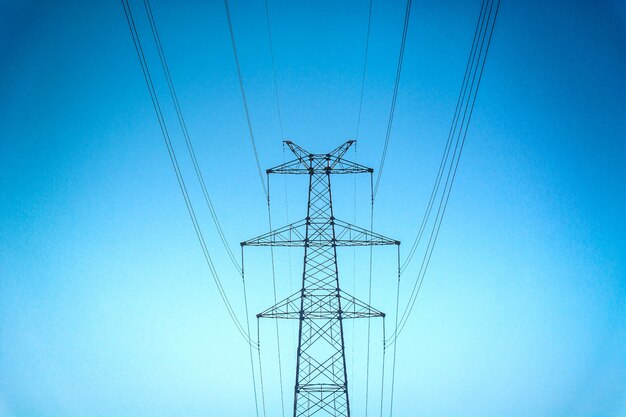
332 162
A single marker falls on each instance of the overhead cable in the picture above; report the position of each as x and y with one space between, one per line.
395 345
367 44
244 99
271 44
451 133
394 96
179 177
382 378
280 366
479 52
183 126
269 211
369 298
258 338
258 344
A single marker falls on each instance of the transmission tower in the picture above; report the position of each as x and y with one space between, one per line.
320 306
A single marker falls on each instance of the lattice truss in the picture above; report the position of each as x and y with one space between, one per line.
320 305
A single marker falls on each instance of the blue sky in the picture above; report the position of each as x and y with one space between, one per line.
106 304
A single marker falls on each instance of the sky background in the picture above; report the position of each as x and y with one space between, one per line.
107 307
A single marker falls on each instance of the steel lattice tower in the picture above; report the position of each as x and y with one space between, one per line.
321 386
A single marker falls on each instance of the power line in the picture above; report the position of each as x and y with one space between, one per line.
382 378
271 44
477 72
369 299
447 187
243 98
394 96
354 208
183 126
256 157
269 212
367 44
444 157
258 338
280 366
172 155
395 345
258 344
452 169
467 98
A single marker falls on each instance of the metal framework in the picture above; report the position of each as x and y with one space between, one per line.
321 386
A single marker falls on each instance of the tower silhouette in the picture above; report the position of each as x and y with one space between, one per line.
320 306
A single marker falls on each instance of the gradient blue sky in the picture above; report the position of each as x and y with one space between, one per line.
107 307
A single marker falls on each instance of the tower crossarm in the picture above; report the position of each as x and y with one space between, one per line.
322 306
346 234
353 308
341 150
292 235
303 154
320 165
298 151
311 163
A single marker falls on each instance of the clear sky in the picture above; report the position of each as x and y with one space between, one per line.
107 307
